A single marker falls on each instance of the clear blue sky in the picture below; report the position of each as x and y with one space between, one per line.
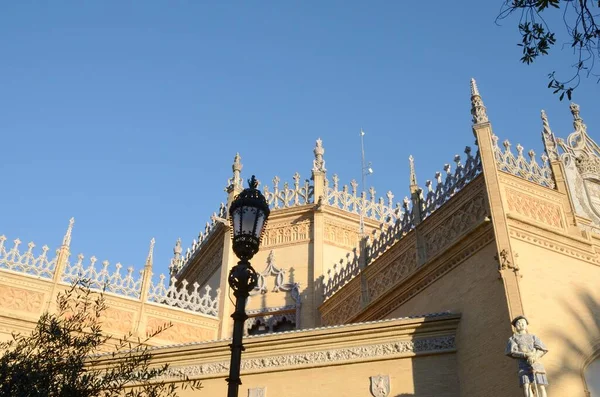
127 115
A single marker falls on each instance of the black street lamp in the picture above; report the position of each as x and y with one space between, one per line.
248 215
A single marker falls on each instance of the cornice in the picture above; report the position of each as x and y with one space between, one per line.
371 341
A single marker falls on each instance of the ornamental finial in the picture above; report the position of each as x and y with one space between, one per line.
235 182
150 257
478 110
318 162
67 237
577 120
413 174
176 262
548 138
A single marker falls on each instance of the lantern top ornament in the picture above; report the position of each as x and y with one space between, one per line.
248 215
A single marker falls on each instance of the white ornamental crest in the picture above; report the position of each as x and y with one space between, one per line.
380 385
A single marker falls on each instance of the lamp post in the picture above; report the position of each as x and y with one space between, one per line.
248 215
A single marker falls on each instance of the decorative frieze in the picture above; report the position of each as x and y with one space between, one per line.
470 214
341 234
286 233
21 299
323 357
539 210
391 303
346 307
392 274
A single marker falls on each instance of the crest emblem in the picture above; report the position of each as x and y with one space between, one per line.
380 385
592 190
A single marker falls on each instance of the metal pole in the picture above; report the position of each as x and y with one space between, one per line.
242 284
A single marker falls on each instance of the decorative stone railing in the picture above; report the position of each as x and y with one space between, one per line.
125 285
27 262
519 166
404 218
348 199
341 275
453 182
181 262
286 197
181 297
385 237
112 281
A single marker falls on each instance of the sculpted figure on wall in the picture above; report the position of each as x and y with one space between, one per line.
528 349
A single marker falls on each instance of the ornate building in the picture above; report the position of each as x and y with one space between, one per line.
421 305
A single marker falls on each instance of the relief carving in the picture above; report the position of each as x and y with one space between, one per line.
323 357
464 219
341 234
286 233
21 299
539 210
391 274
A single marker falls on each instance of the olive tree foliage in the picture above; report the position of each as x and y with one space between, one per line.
67 354
581 19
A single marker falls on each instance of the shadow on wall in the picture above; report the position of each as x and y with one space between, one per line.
581 337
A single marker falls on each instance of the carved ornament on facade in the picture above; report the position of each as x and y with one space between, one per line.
446 265
469 215
542 211
393 273
21 299
341 234
287 233
379 385
323 357
504 262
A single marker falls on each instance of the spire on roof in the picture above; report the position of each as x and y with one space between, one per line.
414 186
235 182
67 237
318 162
548 139
150 257
176 262
477 107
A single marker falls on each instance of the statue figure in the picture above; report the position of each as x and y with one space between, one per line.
528 349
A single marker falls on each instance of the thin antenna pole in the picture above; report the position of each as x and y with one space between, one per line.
363 183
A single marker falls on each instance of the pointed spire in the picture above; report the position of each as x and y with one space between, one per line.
478 110
235 182
414 186
150 257
318 162
548 138
67 237
175 265
577 120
